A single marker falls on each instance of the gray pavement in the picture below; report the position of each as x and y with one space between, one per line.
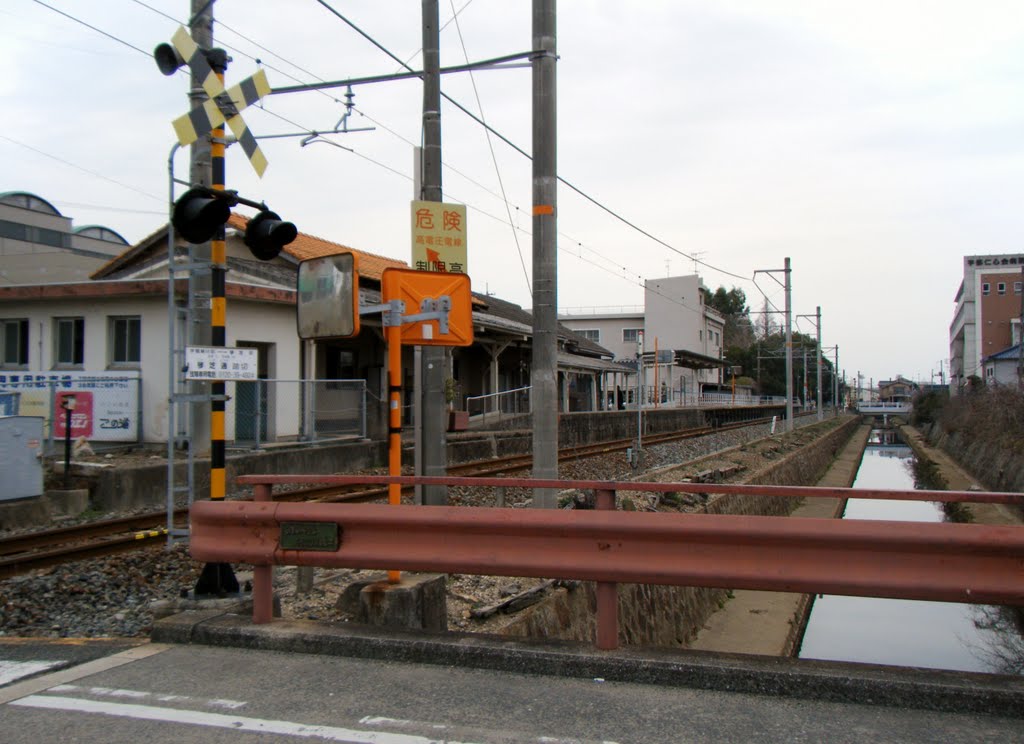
201 694
223 679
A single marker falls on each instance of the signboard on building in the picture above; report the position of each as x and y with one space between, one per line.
106 403
439 241
220 363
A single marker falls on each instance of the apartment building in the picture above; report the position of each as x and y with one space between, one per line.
986 319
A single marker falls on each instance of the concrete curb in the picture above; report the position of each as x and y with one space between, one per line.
862 684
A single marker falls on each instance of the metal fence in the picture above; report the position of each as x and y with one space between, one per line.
276 411
496 405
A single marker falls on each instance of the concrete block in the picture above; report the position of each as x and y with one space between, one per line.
418 602
31 512
67 503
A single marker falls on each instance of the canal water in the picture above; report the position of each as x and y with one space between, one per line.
907 632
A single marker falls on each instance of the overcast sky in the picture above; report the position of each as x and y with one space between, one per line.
874 143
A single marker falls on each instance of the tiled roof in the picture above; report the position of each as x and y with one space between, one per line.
306 246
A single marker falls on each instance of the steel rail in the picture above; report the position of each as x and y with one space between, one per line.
12 565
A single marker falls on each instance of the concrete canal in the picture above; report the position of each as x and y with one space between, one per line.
905 632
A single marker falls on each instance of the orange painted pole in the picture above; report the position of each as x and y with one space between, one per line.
393 336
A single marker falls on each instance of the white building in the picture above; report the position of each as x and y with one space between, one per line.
682 339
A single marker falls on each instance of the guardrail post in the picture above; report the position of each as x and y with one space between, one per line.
607 591
262 576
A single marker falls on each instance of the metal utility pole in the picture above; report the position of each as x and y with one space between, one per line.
544 368
820 414
433 425
200 283
789 349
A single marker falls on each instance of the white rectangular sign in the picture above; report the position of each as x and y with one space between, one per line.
220 363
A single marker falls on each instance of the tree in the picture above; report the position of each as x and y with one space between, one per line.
732 305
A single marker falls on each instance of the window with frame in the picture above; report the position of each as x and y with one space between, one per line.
985 288
591 334
1001 288
126 340
69 336
630 335
1018 287
15 342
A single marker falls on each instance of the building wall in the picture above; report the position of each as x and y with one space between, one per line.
610 327
981 323
247 321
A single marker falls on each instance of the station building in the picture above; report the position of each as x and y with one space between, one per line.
96 316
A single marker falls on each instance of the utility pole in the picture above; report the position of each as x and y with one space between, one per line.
789 348
1020 336
199 279
433 425
836 382
544 369
820 415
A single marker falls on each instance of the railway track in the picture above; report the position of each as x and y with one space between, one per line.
42 549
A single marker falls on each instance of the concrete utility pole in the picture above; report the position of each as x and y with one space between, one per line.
200 285
835 383
789 348
820 414
544 369
433 426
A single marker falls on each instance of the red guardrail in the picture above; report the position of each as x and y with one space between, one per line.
912 560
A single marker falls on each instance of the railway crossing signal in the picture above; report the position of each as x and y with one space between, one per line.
201 212
224 105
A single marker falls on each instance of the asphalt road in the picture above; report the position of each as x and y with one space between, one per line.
156 693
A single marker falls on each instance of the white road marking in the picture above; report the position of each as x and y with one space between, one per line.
140 695
219 720
13 670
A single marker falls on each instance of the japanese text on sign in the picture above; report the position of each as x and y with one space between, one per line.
220 363
439 240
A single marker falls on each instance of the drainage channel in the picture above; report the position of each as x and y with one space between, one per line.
898 632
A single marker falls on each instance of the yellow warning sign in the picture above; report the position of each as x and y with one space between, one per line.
439 237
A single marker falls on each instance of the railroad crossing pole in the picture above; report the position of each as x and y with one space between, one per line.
217 578
544 369
434 425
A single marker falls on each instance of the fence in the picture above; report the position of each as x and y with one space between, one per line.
505 403
941 562
272 411
105 407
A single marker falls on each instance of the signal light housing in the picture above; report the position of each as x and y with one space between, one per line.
197 215
267 234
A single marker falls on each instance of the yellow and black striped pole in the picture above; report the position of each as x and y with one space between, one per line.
217 578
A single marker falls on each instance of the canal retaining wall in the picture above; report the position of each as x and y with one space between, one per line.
654 615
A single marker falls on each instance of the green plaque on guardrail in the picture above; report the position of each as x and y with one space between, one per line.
310 536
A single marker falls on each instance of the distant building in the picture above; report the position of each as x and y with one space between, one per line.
1003 367
900 390
987 315
682 350
38 245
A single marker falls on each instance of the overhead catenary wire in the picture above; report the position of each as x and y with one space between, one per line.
479 120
